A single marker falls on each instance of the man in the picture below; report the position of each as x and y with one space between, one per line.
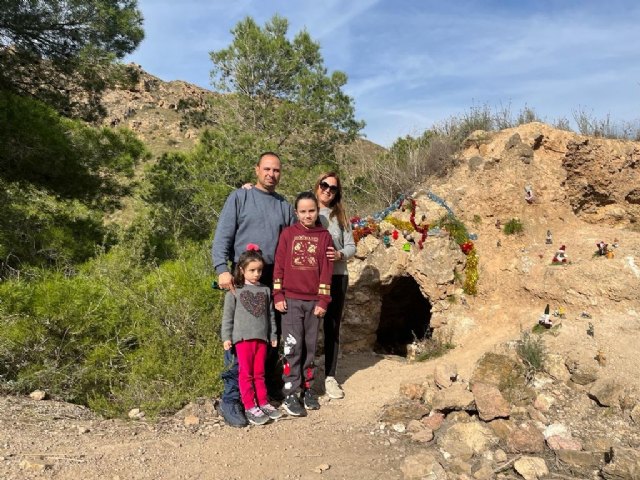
255 215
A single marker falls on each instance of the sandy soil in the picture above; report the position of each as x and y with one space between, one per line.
49 439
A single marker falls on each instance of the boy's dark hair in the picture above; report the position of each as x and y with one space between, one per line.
246 257
305 196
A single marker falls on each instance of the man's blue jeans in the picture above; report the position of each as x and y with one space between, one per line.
229 377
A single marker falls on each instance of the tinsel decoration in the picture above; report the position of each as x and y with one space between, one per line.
470 286
421 229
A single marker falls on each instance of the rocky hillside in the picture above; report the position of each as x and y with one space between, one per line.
576 415
165 115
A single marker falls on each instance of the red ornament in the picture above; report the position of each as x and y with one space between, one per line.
395 234
466 247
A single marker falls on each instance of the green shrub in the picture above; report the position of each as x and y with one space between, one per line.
457 230
513 226
116 335
434 346
532 351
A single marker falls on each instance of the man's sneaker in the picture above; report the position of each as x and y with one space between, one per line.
232 413
332 388
310 400
270 411
292 406
256 416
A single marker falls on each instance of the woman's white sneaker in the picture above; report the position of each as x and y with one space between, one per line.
332 388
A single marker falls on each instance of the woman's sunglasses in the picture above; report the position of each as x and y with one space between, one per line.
325 186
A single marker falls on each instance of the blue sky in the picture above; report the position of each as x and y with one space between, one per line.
415 63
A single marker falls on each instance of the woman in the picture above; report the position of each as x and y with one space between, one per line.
332 215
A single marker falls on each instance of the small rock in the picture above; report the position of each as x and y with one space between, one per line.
537 415
403 411
606 392
543 402
423 436
525 439
191 420
558 442
500 455
82 430
531 468
445 375
322 468
625 464
484 473
36 464
555 366
490 402
581 463
433 421
456 397
422 465
38 395
635 414
136 414
415 426
399 427
413 391
556 429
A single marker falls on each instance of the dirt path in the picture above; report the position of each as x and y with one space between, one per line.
343 435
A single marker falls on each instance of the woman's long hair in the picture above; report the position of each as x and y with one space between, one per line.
337 210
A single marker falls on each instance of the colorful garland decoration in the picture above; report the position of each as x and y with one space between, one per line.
370 225
421 229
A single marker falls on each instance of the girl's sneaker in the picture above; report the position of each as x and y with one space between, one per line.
256 416
310 400
270 411
292 406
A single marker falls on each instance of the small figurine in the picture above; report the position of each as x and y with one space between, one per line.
528 194
386 240
498 244
560 256
498 224
406 247
545 319
602 248
549 239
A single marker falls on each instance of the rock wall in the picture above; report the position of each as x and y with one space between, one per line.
376 266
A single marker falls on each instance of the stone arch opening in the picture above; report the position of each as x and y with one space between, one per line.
405 315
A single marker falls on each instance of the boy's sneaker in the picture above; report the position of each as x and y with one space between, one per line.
332 388
270 411
256 416
292 406
310 400
233 415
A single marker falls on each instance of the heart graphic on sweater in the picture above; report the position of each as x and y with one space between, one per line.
254 303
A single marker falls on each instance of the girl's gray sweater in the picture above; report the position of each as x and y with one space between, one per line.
249 314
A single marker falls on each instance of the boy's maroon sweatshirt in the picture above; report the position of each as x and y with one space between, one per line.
301 268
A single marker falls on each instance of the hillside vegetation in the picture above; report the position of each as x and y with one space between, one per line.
105 296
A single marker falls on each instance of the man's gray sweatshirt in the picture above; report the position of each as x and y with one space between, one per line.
250 216
248 314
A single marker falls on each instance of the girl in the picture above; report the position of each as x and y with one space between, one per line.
332 215
248 321
301 278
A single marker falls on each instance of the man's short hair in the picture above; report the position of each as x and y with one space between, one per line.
264 154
